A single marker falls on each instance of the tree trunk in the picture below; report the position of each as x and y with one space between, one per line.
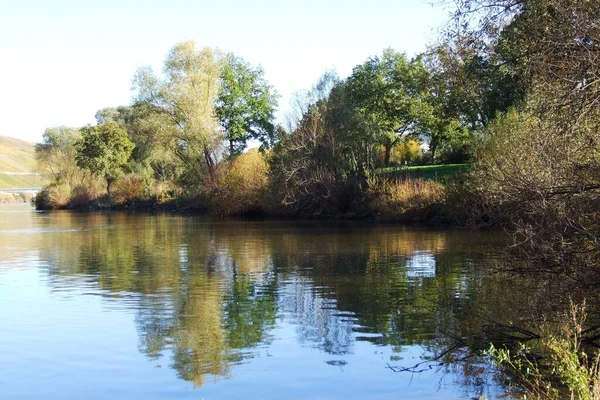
388 152
432 148
109 182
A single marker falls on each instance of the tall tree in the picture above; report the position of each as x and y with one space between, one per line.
388 91
104 151
473 80
56 153
186 94
120 115
245 105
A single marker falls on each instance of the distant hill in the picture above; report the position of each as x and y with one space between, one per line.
18 165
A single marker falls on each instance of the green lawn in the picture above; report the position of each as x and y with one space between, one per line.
440 173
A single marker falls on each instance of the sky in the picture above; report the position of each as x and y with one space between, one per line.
62 60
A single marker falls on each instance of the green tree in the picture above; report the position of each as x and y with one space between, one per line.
186 95
104 151
389 94
150 129
472 82
245 105
120 115
56 153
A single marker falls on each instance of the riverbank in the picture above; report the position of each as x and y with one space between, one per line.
408 200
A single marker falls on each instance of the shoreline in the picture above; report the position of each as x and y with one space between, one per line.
182 207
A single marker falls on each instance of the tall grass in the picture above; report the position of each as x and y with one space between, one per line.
403 199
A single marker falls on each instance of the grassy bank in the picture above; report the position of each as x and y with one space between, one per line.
439 173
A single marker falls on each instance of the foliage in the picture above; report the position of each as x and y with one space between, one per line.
120 115
56 154
305 178
565 369
472 80
54 196
241 188
186 96
389 92
537 169
403 200
245 105
87 192
545 188
406 152
127 189
104 151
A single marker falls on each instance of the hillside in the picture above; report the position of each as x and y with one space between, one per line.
17 165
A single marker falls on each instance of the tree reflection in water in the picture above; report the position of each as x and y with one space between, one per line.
208 294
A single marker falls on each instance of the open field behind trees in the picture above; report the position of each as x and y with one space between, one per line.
440 173
18 165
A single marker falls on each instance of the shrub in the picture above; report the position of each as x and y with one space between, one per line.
87 192
240 187
564 370
128 189
541 180
53 197
162 192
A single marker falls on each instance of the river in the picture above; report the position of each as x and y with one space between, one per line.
152 306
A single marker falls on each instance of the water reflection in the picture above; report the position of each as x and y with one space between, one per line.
210 295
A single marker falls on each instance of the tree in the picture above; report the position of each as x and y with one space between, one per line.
538 168
472 80
56 153
554 44
245 105
186 95
150 129
120 115
104 151
389 93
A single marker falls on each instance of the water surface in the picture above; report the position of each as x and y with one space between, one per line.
154 306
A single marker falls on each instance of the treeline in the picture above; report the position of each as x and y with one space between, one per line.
184 137
512 86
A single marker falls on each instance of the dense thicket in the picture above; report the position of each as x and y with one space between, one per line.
537 170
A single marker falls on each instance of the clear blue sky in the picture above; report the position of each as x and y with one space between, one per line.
62 60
